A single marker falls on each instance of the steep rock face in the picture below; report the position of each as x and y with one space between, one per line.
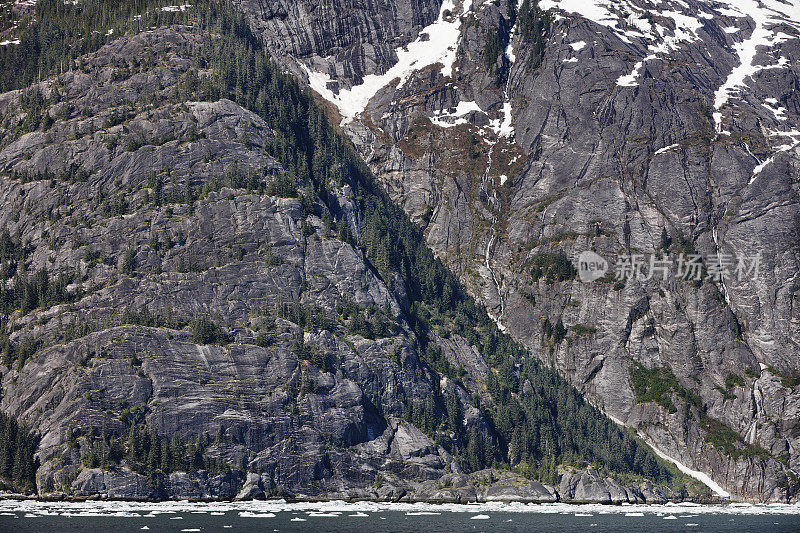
634 121
178 331
118 193
345 39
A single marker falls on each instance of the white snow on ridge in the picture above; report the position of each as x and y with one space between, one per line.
772 12
505 129
595 10
629 80
441 46
685 31
792 140
757 170
625 18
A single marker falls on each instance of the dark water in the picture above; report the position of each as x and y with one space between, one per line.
101 517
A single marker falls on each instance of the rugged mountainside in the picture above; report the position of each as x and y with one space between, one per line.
205 295
521 135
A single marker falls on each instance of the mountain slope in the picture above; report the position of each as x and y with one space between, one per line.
625 128
208 295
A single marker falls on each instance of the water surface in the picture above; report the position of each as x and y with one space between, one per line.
273 516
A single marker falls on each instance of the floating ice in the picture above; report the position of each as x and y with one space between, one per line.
37 508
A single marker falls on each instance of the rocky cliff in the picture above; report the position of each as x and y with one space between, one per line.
236 259
204 295
521 135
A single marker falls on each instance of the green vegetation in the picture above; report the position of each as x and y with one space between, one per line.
372 322
63 31
308 318
555 333
494 46
17 464
734 380
552 266
205 331
787 381
581 329
726 395
729 442
658 385
534 26
146 452
144 317
750 373
40 290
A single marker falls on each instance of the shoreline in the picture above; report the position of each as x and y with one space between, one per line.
269 508
715 502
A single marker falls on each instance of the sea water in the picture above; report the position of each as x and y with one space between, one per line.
273 516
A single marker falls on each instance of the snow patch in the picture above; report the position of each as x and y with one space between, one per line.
629 80
437 43
686 28
578 45
764 13
505 129
448 120
666 148
175 9
700 476
774 106
594 10
790 141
